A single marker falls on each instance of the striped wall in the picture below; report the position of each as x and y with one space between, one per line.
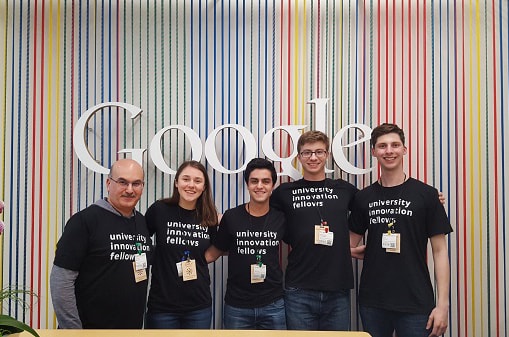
438 68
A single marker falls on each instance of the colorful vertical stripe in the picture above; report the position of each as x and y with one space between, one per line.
440 69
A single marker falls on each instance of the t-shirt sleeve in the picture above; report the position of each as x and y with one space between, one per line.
357 221
222 239
150 217
437 222
73 244
275 199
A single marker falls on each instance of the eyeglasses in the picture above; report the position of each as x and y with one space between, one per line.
317 153
125 184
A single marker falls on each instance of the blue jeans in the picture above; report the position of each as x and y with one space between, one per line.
383 323
198 319
269 317
317 310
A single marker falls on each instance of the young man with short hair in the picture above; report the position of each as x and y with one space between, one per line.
400 214
319 275
251 234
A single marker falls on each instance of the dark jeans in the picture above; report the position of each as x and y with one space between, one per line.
198 319
269 317
317 310
383 323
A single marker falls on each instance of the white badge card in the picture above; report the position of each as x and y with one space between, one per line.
139 274
258 273
140 261
189 270
323 236
391 242
179 268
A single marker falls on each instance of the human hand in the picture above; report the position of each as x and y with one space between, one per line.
358 252
438 321
441 197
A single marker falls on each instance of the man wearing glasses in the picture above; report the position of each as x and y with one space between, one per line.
319 275
99 275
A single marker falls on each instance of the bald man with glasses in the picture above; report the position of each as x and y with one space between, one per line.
99 275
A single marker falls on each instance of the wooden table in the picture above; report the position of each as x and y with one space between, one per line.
194 333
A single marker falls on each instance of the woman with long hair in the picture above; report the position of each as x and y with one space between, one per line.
179 296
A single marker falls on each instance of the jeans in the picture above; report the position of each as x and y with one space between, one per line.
269 317
382 323
317 310
198 319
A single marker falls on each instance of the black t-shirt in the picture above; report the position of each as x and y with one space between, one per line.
177 231
392 281
245 236
306 204
101 246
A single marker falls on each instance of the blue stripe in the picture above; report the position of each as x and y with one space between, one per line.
102 123
11 179
64 190
27 132
503 137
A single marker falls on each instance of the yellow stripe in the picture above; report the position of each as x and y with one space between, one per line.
48 151
471 191
294 52
481 272
305 69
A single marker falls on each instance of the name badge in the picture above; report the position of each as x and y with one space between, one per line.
139 274
140 261
258 273
189 270
323 236
391 242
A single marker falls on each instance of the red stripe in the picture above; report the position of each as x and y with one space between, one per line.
418 91
409 83
456 157
318 55
394 60
425 91
41 159
34 161
495 166
463 168
387 63
402 58
379 111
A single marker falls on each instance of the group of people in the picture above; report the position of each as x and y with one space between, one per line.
105 255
